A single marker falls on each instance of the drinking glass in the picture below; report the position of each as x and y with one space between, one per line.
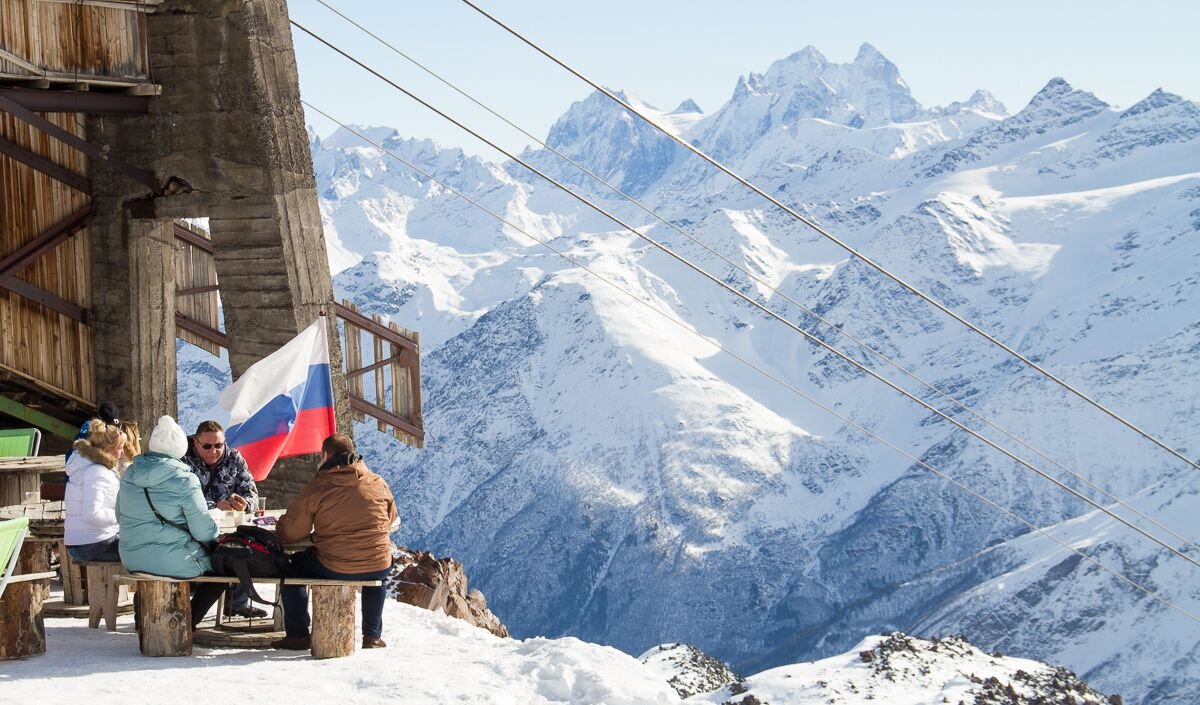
32 498
262 506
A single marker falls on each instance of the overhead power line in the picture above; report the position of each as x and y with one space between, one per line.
840 243
724 285
783 383
839 330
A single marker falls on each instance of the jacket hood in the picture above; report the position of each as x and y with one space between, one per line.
87 454
346 474
152 469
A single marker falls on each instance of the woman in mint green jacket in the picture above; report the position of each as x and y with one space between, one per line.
162 546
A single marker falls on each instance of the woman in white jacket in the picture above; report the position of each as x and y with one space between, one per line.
91 496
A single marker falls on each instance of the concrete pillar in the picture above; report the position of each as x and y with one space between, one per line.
229 122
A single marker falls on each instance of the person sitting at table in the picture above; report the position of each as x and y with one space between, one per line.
91 529
348 511
165 524
227 484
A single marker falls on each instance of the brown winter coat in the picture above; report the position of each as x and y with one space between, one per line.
349 511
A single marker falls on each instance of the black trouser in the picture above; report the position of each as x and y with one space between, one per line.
204 596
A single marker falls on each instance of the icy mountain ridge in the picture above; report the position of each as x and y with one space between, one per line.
671 493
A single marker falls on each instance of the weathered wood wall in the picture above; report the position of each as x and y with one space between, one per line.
66 40
37 342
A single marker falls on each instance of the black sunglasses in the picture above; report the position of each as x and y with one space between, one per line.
210 446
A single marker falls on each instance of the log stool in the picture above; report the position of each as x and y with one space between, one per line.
22 628
103 593
164 618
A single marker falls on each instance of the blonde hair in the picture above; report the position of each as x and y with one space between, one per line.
133 440
101 437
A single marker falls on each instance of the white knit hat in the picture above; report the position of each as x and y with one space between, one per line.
168 438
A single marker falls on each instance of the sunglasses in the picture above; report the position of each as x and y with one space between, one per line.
210 446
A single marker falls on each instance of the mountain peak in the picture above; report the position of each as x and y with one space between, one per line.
867 53
1058 90
687 106
1158 99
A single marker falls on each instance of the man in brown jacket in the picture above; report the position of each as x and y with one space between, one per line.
348 511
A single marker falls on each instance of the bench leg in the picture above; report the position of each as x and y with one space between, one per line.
22 629
332 620
112 594
166 618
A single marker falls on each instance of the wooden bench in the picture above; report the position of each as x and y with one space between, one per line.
165 613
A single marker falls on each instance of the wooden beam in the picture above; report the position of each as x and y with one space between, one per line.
98 155
145 6
22 62
210 334
76 101
47 240
48 423
197 290
377 329
59 173
45 298
404 359
385 416
192 238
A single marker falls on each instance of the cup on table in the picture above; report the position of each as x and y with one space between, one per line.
32 498
261 509
232 518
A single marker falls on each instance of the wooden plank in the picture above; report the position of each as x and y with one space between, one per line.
210 334
49 168
385 416
380 393
351 314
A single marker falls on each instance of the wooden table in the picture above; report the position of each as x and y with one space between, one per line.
21 475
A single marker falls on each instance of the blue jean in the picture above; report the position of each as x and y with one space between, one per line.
295 597
105 551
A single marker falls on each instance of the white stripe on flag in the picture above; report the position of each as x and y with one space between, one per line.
277 373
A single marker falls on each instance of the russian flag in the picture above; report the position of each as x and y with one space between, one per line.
283 404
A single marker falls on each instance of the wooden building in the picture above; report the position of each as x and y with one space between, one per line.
122 121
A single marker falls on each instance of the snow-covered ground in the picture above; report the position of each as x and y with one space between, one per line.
433 659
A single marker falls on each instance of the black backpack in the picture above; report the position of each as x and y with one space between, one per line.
250 551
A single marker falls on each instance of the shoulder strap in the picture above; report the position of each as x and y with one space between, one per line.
167 522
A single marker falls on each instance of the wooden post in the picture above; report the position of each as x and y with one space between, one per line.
22 629
333 620
166 618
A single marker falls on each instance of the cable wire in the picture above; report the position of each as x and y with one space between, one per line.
724 285
783 383
840 243
835 328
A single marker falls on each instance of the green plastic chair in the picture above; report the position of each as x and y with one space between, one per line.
12 535
19 442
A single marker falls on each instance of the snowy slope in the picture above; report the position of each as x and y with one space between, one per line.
655 489
433 659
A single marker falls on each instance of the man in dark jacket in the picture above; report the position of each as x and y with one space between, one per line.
224 477
227 484
349 512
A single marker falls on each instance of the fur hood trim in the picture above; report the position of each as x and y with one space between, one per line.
96 455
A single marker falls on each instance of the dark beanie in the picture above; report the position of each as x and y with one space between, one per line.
108 413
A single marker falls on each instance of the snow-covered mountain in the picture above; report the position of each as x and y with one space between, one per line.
655 489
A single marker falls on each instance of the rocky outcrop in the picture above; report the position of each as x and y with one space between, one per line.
419 578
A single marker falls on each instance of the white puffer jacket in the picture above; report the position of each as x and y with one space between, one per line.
91 496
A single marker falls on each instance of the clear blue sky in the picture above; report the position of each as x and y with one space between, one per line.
667 50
